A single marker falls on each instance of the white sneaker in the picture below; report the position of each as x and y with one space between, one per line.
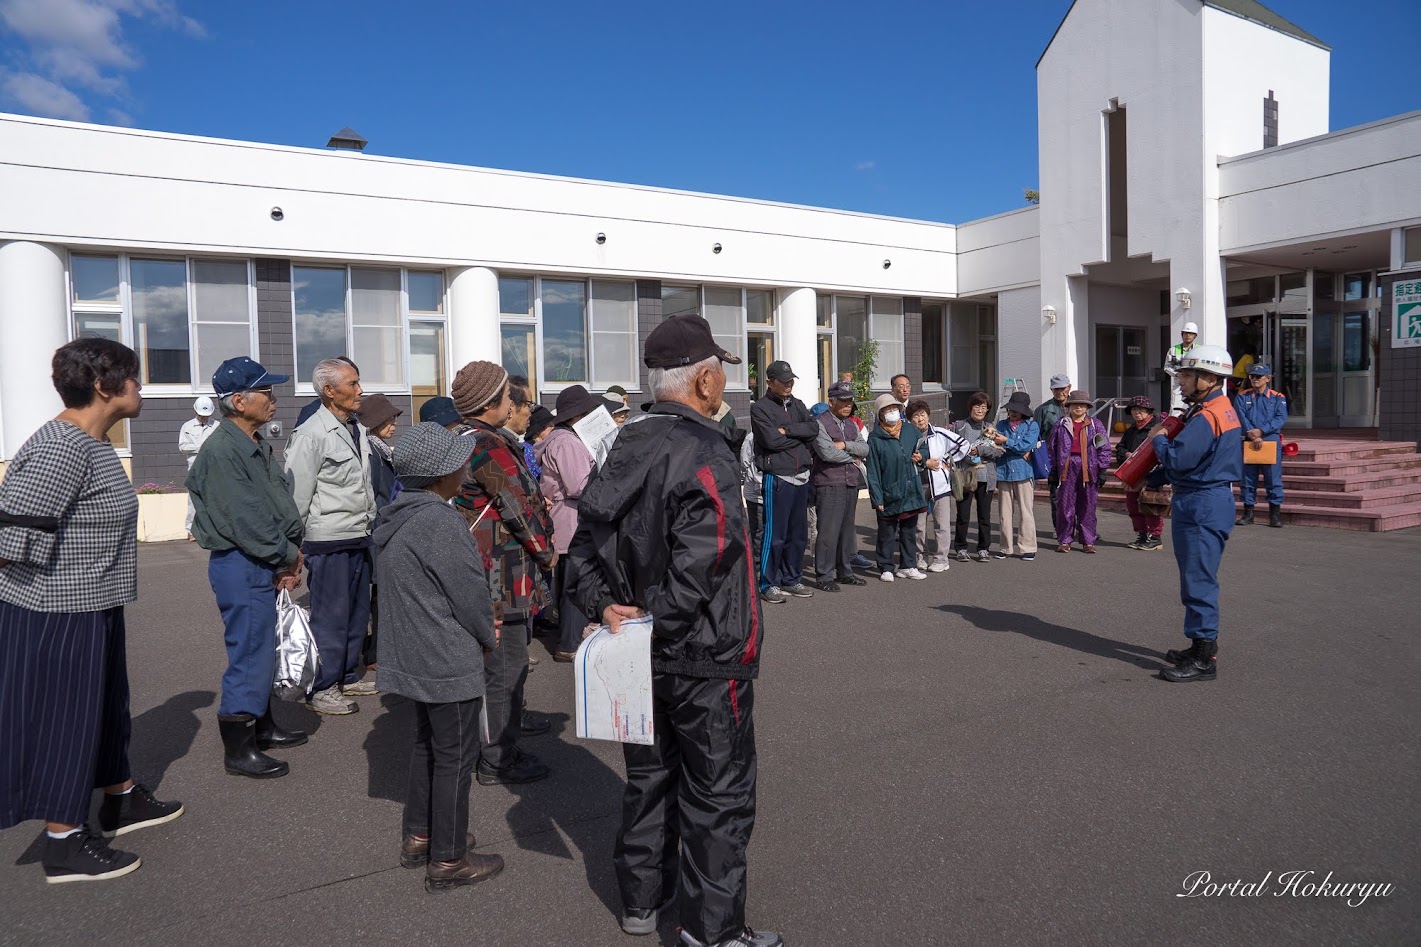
912 574
886 577
922 562
939 566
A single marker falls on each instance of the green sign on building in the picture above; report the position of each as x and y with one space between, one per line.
1406 304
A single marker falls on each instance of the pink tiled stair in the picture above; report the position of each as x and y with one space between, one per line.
1336 481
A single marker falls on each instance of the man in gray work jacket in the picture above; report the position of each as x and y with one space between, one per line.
244 515
330 482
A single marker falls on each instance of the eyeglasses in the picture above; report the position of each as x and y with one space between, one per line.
259 391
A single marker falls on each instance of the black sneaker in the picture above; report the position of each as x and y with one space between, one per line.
1028 557
999 554
1150 544
827 585
746 938
851 579
532 726
84 856
521 769
135 810
799 590
962 555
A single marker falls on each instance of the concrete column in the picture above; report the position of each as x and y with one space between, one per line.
34 321
799 339
473 316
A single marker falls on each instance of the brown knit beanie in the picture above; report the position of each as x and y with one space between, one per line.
476 385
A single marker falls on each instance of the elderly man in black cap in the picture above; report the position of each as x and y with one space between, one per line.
661 530
784 434
836 477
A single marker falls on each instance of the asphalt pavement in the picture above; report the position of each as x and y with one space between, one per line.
983 757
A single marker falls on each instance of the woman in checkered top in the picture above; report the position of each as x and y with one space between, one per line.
68 566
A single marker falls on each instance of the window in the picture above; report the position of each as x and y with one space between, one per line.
565 330
1356 286
824 311
1270 121
934 345
569 331
183 317
850 329
1411 245
887 327
429 348
1250 291
680 300
759 338
973 356
723 310
1356 341
359 311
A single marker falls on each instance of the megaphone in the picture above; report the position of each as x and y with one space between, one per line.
1290 449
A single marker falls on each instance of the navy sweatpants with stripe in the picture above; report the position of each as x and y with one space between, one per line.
786 533
64 723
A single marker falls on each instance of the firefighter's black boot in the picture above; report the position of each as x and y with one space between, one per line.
1275 515
1247 518
1203 666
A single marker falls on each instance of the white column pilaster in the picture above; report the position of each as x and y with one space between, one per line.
799 339
473 316
34 321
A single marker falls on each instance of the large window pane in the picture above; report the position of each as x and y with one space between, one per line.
678 300
888 330
319 295
824 312
520 352
374 297
966 340
934 345
1356 286
1356 341
761 354
220 292
614 334
217 342
725 316
99 325
160 321
515 296
426 291
427 360
1411 245
565 330
1247 292
852 329
379 352
759 307
94 278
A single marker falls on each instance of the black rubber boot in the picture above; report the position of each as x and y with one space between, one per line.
1275 515
1203 666
272 737
1186 654
1247 518
239 740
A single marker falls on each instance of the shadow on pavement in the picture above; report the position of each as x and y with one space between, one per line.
387 749
558 806
991 619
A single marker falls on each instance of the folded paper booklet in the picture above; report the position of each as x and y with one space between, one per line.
612 676
1261 452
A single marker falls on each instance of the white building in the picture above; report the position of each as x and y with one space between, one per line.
1187 173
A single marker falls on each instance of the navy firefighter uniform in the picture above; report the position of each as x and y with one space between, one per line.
1265 413
1202 463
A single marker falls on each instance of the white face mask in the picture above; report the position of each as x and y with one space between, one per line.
892 417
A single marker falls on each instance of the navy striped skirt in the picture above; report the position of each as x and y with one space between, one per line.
64 724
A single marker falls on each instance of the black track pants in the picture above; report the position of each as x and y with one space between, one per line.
689 807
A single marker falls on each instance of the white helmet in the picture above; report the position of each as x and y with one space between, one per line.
1191 327
1213 359
203 407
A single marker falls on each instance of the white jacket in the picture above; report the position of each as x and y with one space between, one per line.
330 479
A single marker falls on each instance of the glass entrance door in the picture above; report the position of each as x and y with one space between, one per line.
1291 367
1120 362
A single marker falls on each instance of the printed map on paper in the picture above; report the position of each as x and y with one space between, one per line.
612 675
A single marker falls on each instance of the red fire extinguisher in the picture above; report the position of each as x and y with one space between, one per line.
1142 460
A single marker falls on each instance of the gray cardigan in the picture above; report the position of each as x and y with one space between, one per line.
435 608
986 472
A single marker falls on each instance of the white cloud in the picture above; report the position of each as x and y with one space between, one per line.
37 95
865 165
78 45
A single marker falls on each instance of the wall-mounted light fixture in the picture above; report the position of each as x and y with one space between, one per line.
1049 314
1182 295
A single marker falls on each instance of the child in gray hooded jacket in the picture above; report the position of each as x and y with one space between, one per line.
436 619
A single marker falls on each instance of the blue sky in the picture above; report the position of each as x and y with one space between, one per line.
917 109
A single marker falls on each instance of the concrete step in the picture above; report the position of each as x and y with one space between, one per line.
1338 468
1372 519
1339 450
1353 499
1359 480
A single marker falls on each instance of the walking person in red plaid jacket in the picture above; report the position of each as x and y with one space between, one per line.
510 524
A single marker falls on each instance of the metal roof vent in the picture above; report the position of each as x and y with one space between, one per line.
349 138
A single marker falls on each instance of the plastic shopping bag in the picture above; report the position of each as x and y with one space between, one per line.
297 657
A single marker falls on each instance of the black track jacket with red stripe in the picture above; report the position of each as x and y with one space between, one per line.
662 526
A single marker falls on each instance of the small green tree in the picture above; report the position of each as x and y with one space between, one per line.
1032 195
863 377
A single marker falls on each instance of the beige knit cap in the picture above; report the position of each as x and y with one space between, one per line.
476 385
